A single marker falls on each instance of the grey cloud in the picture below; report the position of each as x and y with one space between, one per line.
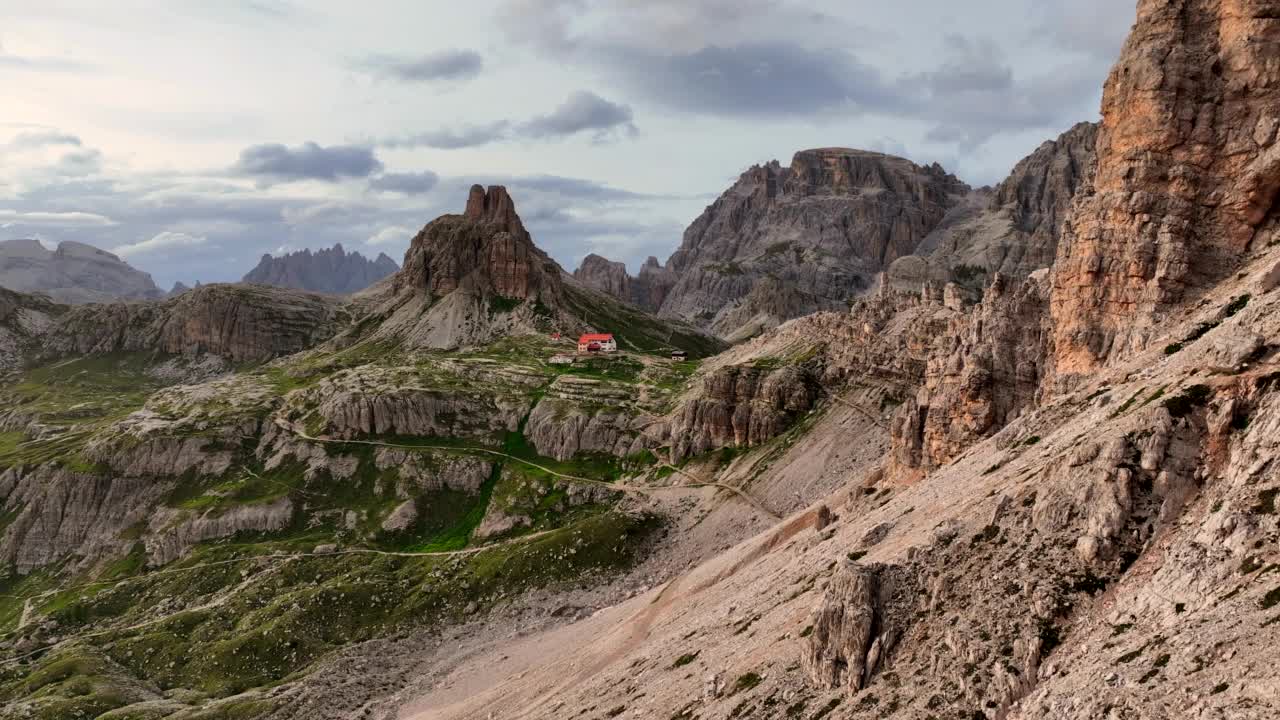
972 65
80 162
583 111
443 65
406 183
470 136
42 138
308 161
776 79
570 187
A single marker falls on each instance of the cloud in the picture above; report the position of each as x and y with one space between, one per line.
54 219
396 235
766 79
406 183
80 162
33 63
565 187
433 67
36 139
160 242
583 111
465 137
308 161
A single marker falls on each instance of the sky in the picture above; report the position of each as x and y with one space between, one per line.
190 137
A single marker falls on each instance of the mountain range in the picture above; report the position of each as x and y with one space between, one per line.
73 273
331 270
929 452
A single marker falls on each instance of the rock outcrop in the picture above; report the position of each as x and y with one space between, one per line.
741 406
647 290
23 320
982 372
828 223
329 270
73 273
1012 230
240 323
1187 177
854 627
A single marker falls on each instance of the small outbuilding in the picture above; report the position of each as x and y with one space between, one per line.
679 355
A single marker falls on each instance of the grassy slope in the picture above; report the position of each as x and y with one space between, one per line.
295 610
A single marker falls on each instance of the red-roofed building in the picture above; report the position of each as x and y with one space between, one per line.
597 342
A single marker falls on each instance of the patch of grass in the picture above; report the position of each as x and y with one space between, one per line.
857 555
1220 688
1271 599
746 681
1034 439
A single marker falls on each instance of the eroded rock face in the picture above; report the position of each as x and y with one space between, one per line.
741 406
23 320
982 372
1187 176
58 511
1011 231
605 275
855 626
173 535
585 415
827 223
241 323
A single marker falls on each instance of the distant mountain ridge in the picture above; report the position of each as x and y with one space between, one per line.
331 270
73 273
787 241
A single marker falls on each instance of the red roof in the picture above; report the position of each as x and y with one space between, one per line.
595 337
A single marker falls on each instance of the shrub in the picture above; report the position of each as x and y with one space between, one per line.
1188 400
1237 305
684 659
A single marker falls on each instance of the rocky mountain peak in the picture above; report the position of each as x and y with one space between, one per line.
494 206
486 251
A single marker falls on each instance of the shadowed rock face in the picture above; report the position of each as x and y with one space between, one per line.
74 273
331 271
1187 176
240 323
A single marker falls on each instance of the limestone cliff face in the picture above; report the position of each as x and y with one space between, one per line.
1012 230
741 406
827 223
1186 181
330 270
240 323
605 275
983 371
23 320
